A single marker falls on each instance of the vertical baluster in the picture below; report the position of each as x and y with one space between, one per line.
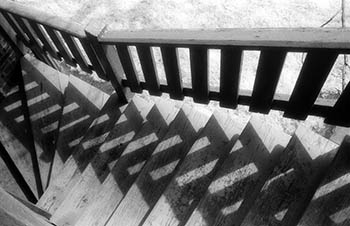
18 31
317 65
268 73
199 72
149 70
230 69
172 72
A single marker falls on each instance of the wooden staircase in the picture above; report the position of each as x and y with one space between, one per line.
156 161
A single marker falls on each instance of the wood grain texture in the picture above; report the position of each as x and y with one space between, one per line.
85 188
240 177
196 172
298 38
13 212
44 93
330 203
82 105
125 169
294 180
160 168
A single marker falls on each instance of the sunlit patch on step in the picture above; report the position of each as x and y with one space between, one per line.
231 209
74 123
13 91
163 171
232 178
101 119
196 173
75 142
69 108
117 141
30 86
135 168
38 99
47 129
168 143
95 141
285 174
139 143
13 106
121 119
341 216
280 215
332 186
40 114
200 144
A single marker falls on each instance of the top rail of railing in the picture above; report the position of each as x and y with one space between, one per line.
41 17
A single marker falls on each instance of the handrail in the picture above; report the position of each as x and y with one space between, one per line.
108 52
295 39
41 17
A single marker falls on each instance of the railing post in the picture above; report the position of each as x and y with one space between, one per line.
107 58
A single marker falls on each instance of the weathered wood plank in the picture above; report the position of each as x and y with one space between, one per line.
294 180
199 74
196 172
12 208
84 150
83 104
267 76
129 68
44 89
160 168
293 38
237 183
93 58
172 72
61 47
84 189
330 204
230 69
316 67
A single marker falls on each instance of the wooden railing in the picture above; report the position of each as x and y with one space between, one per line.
108 53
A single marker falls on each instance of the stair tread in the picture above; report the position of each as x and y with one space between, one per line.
330 204
13 212
129 164
82 104
87 186
159 169
44 88
241 175
83 151
15 136
293 180
195 173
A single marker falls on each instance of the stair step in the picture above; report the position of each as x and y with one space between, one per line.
16 138
82 104
294 180
160 168
44 88
128 166
87 186
242 174
330 204
197 170
13 212
84 149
